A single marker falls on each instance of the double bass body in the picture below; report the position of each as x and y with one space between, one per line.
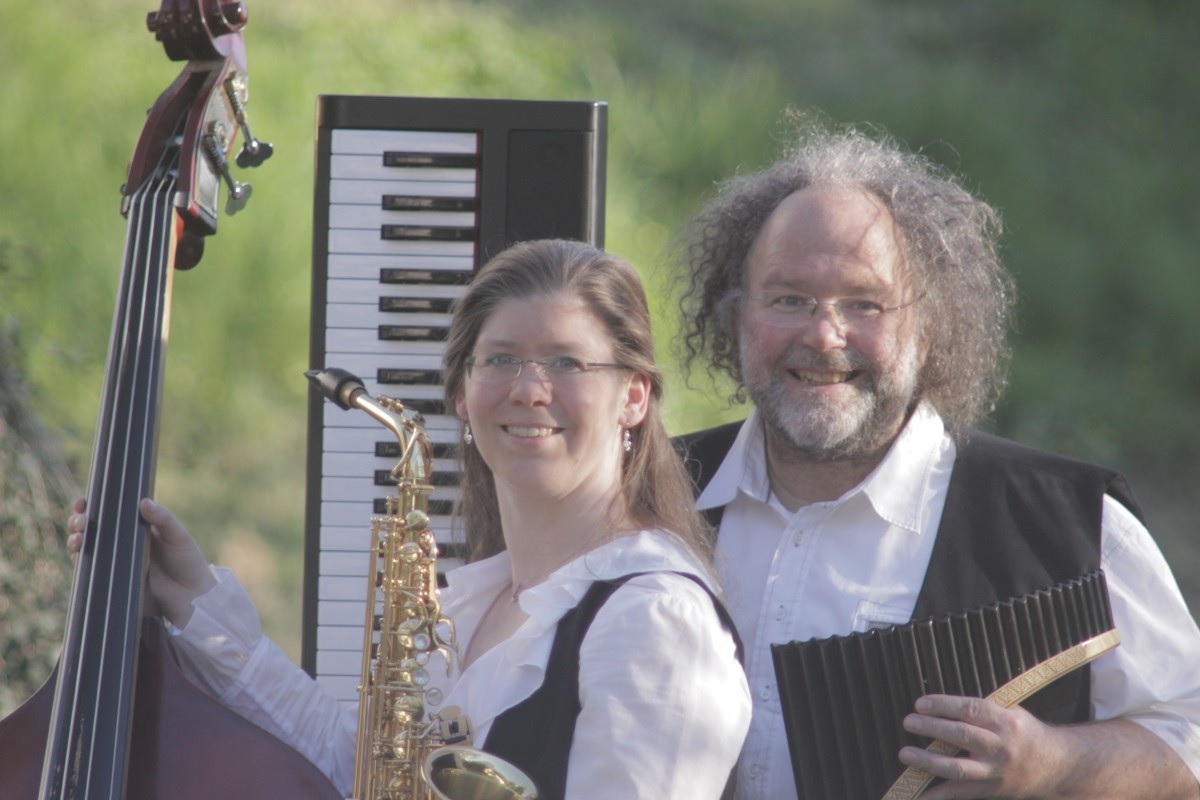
117 720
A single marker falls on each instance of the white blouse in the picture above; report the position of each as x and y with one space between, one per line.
665 704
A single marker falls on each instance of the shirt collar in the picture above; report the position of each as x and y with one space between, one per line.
896 488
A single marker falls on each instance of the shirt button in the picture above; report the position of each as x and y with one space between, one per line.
797 538
765 693
755 770
780 612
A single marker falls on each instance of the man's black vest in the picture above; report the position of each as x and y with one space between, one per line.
1016 520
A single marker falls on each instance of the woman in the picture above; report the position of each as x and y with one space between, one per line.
570 486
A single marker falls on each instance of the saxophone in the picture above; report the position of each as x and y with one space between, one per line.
404 752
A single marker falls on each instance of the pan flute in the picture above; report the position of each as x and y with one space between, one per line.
844 697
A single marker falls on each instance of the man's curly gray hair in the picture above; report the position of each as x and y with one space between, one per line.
949 241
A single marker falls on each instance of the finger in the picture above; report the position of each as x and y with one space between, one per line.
949 768
974 739
974 710
163 523
74 543
80 505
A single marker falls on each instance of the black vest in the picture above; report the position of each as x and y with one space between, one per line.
536 734
1016 520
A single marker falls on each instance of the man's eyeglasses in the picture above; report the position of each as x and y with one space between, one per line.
791 310
504 368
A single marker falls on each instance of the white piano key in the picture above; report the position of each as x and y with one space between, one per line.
370 193
355 140
340 662
363 440
336 417
344 216
372 168
340 637
351 340
355 536
368 291
342 564
341 492
340 587
351 465
368 265
350 501
358 316
343 240
365 364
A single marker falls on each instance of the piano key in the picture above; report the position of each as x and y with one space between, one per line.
418 201
374 142
424 268
430 161
372 168
369 292
347 191
368 218
353 240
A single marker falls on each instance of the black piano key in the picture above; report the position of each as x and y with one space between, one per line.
400 202
412 333
383 477
409 377
432 277
431 305
426 233
437 508
400 158
392 450
427 407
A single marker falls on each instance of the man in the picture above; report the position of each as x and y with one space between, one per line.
854 292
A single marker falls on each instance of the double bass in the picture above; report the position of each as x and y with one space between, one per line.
117 719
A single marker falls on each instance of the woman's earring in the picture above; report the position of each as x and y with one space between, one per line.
627 441
467 437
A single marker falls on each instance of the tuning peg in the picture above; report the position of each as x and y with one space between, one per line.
253 151
214 142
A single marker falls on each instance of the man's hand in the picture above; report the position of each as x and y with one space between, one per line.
1009 753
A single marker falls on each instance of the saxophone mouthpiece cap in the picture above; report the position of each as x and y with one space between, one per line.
338 385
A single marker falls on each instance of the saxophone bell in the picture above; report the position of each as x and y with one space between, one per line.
463 773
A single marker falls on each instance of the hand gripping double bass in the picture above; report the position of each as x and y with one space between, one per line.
117 719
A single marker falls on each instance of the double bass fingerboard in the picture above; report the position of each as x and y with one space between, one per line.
412 196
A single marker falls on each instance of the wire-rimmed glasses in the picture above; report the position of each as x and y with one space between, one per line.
505 368
787 309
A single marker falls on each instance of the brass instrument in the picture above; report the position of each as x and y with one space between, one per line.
403 752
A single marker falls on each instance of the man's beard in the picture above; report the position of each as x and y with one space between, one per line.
829 430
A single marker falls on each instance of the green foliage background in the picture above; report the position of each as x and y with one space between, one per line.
1076 118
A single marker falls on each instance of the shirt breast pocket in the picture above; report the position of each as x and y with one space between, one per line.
871 615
